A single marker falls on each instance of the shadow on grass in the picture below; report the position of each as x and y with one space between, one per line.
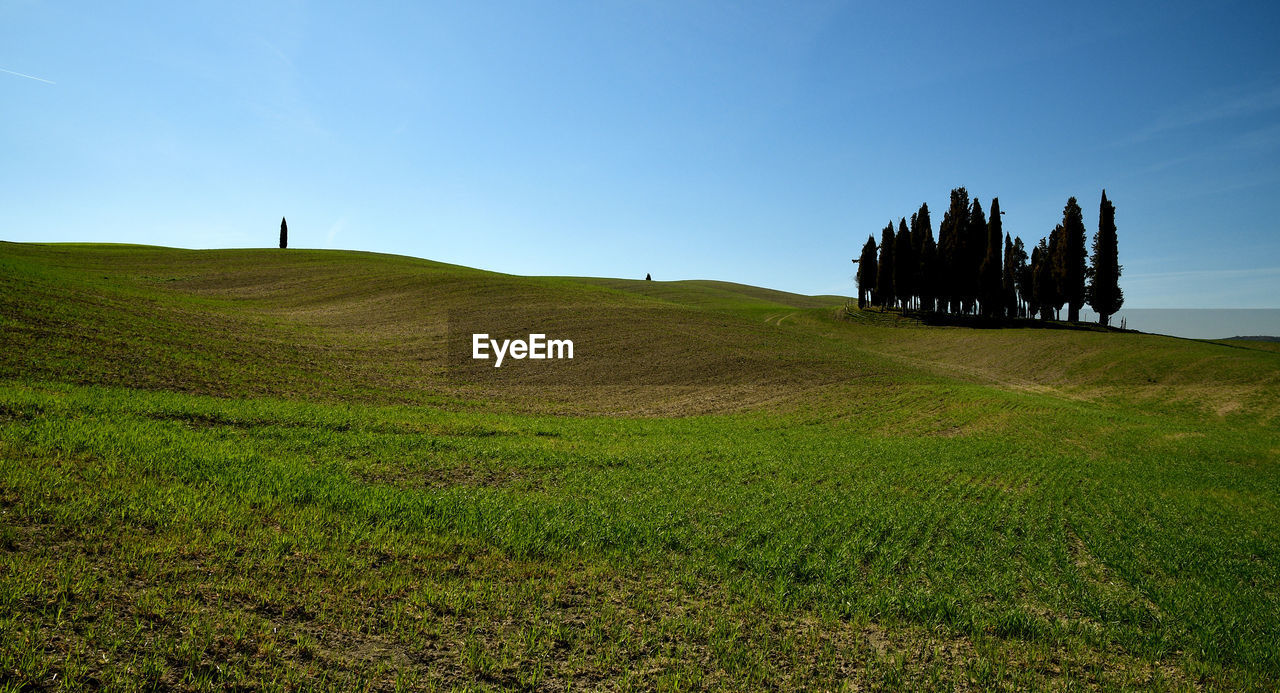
934 318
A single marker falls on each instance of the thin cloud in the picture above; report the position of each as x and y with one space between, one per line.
1220 107
19 74
334 230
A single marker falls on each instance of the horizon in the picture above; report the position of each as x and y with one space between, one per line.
713 142
1184 323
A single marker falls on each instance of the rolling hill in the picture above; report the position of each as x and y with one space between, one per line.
267 468
346 325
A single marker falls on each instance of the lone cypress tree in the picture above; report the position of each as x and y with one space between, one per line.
1104 293
1073 260
991 272
884 275
284 233
867 272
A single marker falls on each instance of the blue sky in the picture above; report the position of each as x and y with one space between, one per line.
752 142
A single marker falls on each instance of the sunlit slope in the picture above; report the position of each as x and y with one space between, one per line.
373 327
339 324
1165 373
715 294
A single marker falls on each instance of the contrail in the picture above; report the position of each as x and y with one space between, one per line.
38 79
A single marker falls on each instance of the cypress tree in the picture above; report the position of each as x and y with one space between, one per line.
922 241
867 272
884 274
1008 283
1073 259
975 250
1034 285
943 255
928 274
915 256
284 233
1022 277
1042 288
951 249
992 270
1057 262
1104 293
904 265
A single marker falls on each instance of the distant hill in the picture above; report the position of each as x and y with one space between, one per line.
1259 338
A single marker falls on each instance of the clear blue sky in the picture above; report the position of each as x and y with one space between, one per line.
753 142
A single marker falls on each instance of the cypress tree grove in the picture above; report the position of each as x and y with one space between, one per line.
884 273
866 272
992 270
284 233
1073 260
1104 293
976 267
904 266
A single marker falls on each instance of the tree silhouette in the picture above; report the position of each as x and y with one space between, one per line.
943 258
951 250
1104 294
648 277
1022 277
975 248
867 272
929 275
1073 259
976 267
1042 289
922 244
991 272
1035 283
1057 261
884 275
1008 281
904 265
284 233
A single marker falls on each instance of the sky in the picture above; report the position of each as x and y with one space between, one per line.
743 141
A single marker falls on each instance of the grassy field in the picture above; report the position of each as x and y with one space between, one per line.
256 469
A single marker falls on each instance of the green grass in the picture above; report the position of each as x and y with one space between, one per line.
972 509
